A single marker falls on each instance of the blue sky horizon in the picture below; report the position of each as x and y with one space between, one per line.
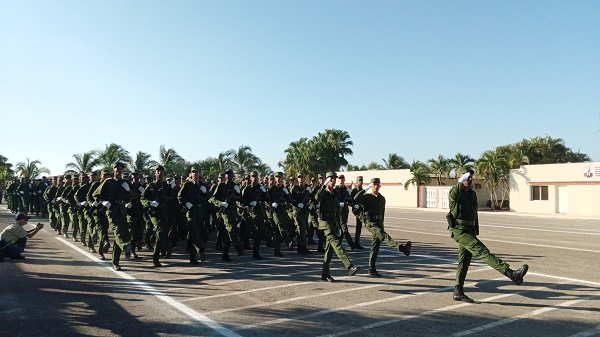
414 78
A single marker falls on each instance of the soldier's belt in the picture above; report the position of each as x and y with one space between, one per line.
465 222
120 202
375 217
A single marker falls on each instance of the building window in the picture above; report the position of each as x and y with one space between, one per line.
539 192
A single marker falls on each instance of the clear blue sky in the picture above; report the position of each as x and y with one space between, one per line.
418 78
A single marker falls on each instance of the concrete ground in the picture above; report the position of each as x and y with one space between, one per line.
62 290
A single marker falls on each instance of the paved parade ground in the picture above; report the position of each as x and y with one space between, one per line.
62 290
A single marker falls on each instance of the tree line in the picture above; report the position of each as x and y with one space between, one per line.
326 151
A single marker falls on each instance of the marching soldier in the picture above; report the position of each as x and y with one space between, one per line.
72 206
99 216
253 197
41 187
63 202
278 195
135 212
463 224
301 194
82 207
50 200
329 200
373 205
114 194
193 196
155 199
345 199
357 210
224 196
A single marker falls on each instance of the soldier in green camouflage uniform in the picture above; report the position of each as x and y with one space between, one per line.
357 210
278 196
253 198
301 195
225 196
329 200
345 200
155 199
192 197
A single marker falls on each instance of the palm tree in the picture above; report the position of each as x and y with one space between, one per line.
84 163
142 163
495 171
112 154
31 169
461 160
6 171
244 160
302 156
395 162
440 167
224 160
333 146
168 158
420 175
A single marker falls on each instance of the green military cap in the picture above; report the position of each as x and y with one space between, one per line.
76 176
93 174
278 174
159 168
313 179
272 176
105 172
83 176
359 178
291 178
460 171
254 174
331 174
135 173
341 176
193 169
300 175
67 176
119 164
321 175
375 181
221 175
229 171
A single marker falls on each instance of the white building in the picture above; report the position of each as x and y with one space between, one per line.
571 189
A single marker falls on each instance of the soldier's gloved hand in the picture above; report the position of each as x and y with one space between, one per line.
356 206
39 192
349 190
34 193
224 204
125 186
464 177
370 186
106 204
253 203
58 199
172 183
342 204
274 205
236 188
188 205
318 206
285 190
153 204
141 189
327 181
300 205
128 205
310 207
53 201
95 204
22 192
85 203
308 189
203 189
262 188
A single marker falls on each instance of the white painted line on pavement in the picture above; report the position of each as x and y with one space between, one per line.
511 242
358 305
152 291
587 333
434 311
567 279
527 315
506 226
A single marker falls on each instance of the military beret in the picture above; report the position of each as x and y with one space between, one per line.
278 174
119 164
359 178
341 176
375 181
331 175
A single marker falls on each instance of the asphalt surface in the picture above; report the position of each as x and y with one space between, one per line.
61 290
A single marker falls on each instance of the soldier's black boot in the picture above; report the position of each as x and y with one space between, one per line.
202 256
373 272
405 248
240 250
327 278
352 270
459 295
225 257
278 253
303 250
193 259
155 261
517 275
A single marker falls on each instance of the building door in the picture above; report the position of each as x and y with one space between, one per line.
562 199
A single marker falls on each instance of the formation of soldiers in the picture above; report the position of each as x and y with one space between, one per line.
158 213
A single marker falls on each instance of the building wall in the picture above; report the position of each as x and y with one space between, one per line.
392 185
573 189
